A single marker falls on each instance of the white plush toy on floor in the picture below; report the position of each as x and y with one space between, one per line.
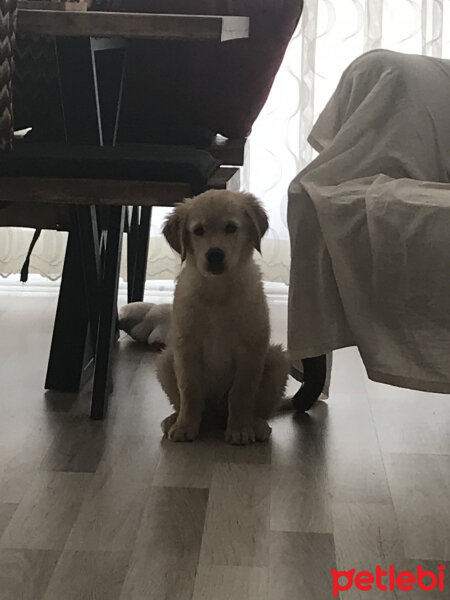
146 322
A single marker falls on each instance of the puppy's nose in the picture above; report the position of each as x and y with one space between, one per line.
215 258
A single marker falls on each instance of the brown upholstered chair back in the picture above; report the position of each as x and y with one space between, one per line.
23 214
37 101
184 92
8 17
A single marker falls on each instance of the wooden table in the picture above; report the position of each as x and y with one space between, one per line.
91 112
132 25
81 37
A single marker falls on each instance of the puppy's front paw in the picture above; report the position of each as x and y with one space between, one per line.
262 430
183 432
240 436
167 423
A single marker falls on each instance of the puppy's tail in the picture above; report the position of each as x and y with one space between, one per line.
285 405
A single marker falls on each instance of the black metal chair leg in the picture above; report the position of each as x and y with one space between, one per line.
314 377
108 312
69 358
84 218
132 238
141 256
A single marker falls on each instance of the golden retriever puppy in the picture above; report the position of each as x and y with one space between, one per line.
218 358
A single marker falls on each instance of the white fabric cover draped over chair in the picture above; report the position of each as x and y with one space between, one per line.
369 221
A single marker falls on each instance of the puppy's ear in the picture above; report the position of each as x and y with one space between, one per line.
258 218
175 230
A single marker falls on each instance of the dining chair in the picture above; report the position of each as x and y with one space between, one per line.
81 178
63 185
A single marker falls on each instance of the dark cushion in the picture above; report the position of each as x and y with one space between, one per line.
35 215
130 162
184 92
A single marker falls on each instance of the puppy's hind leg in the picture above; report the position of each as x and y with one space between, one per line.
167 378
270 392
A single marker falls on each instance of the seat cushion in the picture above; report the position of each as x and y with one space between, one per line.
35 215
124 162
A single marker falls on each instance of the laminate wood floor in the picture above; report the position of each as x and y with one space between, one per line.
109 511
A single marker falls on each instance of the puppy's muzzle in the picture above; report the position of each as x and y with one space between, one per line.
215 260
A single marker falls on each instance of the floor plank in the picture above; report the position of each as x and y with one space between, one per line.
88 575
300 565
112 508
78 447
231 583
25 574
182 465
22 447
421 491
366 535
47 512
165 556
6 512
407 422
428 565
237 520
300 497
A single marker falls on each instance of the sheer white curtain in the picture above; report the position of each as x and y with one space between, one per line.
331 34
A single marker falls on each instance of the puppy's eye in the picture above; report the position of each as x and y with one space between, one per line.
199 230
230 228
